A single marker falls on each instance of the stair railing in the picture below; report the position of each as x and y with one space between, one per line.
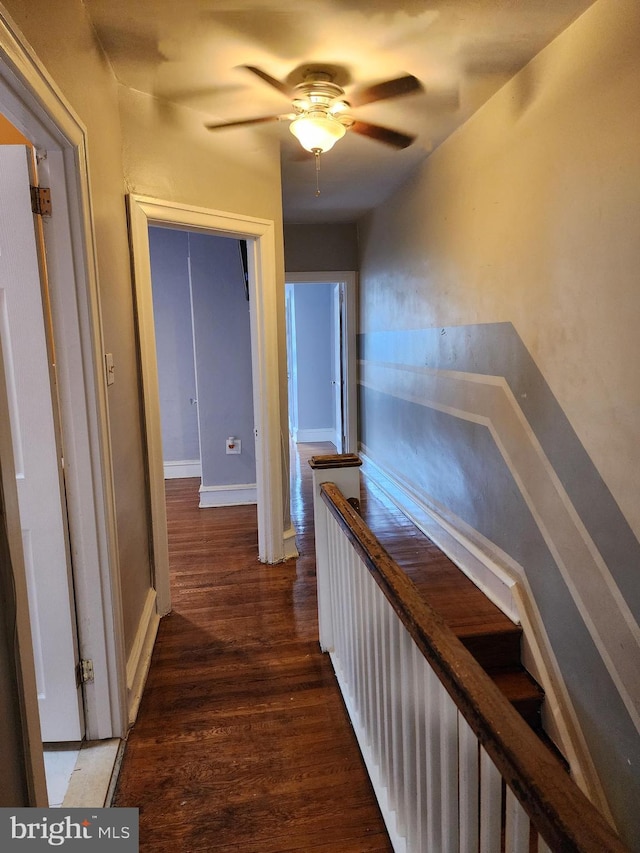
453 765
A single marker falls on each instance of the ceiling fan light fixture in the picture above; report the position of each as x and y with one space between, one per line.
317 131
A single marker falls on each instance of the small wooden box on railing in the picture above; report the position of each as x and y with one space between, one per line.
343 469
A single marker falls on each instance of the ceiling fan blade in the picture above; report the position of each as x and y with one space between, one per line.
383 134
245 121
388 89
277 84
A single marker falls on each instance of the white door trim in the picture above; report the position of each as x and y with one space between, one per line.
33 103
260 236
349 279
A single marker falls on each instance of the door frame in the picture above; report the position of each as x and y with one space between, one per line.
33 103
349 281
260 236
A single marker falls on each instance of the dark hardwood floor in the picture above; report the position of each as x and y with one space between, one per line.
242 742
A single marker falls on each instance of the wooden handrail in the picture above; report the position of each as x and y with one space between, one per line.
560 812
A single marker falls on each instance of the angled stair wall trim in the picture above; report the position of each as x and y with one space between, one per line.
493 571
504 582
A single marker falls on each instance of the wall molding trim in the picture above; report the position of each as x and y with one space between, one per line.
139 659
489 402
496 578
234 495
180 468
504 582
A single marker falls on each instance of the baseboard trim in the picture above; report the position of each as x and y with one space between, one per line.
315 435
140 657
290 547
244 493
182 468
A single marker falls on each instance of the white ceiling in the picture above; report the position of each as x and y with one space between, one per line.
462 51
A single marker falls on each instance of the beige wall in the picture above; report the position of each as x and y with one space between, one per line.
65 43
532 218
137 144
168 154
515 252
320 248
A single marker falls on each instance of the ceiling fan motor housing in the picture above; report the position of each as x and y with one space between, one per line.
317 96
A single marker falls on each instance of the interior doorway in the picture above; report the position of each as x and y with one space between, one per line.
203 349
273 544
321 358
315 364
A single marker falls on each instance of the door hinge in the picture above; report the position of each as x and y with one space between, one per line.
41 201
84 672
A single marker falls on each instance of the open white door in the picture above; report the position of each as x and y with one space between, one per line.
37 459
338 368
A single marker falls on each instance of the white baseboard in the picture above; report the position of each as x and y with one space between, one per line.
494 576
290 547
182 468
140 657
244 493
315 435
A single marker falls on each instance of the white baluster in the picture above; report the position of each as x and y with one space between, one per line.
396 715
490 805
420 668
543 847
408 711
346 613
367 655
341 574
361 634
377 676
516 827
449 771
332 598
387 699
469 783
434 802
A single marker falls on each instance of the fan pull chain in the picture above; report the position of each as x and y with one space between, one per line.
317 152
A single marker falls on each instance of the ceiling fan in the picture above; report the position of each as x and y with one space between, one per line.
321 112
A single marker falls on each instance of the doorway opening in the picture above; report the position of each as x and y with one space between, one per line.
203 350
321 358
261 267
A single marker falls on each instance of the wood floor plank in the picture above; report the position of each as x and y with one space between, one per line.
242 742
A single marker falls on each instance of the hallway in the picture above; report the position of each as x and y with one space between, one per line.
242 742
